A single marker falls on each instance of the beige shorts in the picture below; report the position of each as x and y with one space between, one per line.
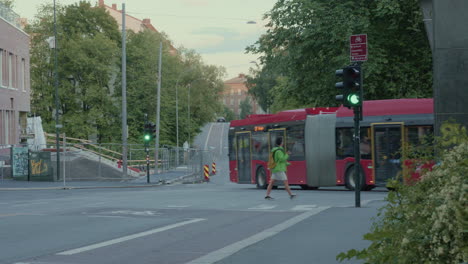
279 176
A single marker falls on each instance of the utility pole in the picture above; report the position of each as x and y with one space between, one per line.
124 95
158 110
57 105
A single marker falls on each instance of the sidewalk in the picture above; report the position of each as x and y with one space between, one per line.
163 178
318 239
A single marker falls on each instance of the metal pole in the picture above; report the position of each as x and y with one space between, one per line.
177 124
124 95
56 82
188 106
357 140
147 151
64 157
158 111
357 158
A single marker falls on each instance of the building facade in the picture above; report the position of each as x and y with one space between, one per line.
236 91
14 78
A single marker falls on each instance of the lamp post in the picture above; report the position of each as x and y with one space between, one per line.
57 125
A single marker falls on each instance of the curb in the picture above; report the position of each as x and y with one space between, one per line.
178 180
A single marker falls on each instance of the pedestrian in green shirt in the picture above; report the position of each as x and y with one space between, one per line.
278 173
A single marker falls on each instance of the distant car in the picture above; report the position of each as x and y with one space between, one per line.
221 119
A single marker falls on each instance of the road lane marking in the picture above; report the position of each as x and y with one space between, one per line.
208 137
227 251
262 207
129 237
221 140
304 207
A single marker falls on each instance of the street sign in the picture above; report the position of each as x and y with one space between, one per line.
358 47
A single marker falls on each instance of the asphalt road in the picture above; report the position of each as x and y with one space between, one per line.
215 222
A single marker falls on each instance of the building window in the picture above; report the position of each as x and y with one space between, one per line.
1 67
10 70
23 74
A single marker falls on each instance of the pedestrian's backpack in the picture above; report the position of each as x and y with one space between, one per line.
271 160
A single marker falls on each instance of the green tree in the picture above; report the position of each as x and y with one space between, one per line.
245 108
307 41
8 3
228 114
88 50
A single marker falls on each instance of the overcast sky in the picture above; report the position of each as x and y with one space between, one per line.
216 29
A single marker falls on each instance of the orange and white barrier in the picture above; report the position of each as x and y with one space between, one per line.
213 168
206 171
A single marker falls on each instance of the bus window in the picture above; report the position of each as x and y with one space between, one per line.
365 144
232 147
260 146
295 144
344 143
418 135
421 138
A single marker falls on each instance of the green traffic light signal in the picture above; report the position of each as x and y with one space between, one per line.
353 99
147 137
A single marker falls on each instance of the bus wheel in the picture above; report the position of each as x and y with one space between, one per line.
349 179
261 178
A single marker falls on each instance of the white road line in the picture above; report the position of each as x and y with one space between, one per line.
262 207
227 251
221 140
304 207
208 136
28 204
129 237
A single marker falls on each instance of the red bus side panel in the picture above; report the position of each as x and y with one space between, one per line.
297 172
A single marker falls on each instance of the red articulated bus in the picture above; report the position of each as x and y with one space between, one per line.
321 144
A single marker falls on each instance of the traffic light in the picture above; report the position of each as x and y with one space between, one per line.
149 132
350 85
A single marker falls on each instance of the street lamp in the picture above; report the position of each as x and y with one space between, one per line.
57 125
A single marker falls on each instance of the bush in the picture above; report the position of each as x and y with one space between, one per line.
425 222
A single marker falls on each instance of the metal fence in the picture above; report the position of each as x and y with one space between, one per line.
91 162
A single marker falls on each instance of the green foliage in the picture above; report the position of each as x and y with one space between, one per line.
425 222
245 108
228 114
307 40
90 94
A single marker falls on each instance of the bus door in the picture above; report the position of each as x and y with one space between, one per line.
244 157
387 139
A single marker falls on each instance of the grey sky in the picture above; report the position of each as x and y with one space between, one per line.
217 29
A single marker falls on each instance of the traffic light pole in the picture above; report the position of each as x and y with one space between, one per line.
357 156
357 141
147 150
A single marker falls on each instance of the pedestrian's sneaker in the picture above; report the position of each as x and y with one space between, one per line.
268 198
292 196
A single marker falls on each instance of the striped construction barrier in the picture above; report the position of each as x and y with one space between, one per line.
206 172
213 168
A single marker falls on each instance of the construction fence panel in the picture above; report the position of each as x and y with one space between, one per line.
92 162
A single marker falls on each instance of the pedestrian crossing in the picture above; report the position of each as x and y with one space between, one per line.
265 207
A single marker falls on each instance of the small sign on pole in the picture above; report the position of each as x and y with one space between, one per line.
358 47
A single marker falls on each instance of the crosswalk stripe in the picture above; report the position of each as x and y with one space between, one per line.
304 207
262 207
